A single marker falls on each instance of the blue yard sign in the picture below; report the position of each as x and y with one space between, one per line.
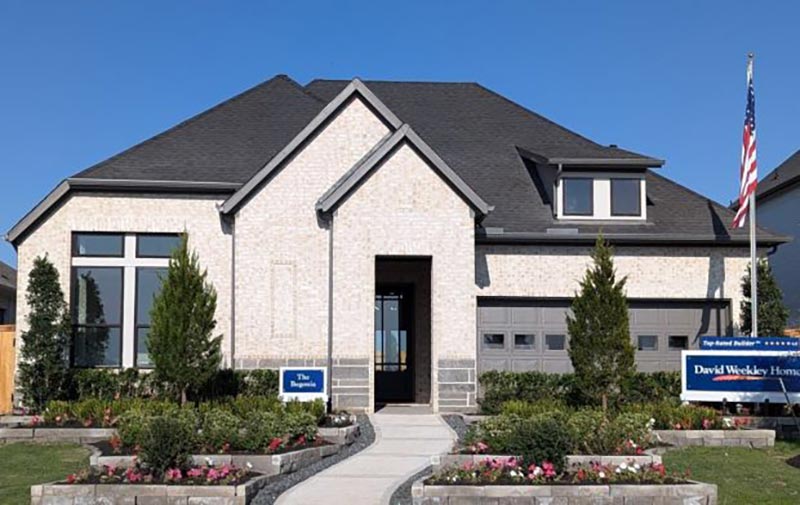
303 383
750 343
740 376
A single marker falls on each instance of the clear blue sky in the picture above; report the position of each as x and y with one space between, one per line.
80 81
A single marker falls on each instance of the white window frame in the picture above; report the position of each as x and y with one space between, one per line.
129 263
601 193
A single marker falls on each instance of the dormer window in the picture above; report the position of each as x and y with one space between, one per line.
578 196
601 196
625 197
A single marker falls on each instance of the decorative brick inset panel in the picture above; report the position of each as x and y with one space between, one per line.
350 384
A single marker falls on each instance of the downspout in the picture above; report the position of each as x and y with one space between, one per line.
330 313
556 192
233 292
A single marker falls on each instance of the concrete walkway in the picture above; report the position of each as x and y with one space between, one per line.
404 443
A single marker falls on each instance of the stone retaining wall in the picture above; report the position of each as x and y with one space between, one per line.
449 460
695 493
727 438
45 435
145 494
345 435
267 464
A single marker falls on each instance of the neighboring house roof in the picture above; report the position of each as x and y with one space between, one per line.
785 175
8 276
497 148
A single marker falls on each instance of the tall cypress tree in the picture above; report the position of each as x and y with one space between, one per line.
600 344
180 341
772 313
43 371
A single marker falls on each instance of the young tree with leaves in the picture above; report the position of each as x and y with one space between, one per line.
42 374
772 313
600 343
180 342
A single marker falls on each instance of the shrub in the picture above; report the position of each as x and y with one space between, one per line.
167 442
592 432
259 383
672 416
652 387
258 430
244 405
219 430
130 427
500 387
534 439
316 408
524 408
42 371
300 424
58 412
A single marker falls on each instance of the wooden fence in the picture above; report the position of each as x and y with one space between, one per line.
7 361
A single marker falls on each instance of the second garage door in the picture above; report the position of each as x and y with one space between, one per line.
521 335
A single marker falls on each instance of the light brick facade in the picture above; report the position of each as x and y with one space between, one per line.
653 272
276 264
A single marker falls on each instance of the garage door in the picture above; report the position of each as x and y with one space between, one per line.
532 335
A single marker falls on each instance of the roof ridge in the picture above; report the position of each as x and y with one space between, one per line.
186 122
390 81
300 87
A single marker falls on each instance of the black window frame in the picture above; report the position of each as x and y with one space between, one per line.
136 325
494 347
638 212
670 347
140 235
76 253
523 333
564 211
74 326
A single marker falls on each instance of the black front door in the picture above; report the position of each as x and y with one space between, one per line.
393 343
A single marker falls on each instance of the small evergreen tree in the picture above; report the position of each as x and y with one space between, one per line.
43 371
772 313
180 342
600 343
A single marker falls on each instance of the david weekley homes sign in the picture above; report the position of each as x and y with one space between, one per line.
742 376
303 383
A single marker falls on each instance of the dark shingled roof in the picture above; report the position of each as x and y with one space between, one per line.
785 175
477 132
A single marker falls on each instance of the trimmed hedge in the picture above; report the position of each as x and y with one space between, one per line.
500 387
131 383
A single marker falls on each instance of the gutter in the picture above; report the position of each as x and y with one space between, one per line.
570 237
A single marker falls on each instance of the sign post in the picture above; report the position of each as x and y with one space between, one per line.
303 383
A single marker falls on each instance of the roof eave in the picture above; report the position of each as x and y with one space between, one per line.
608 162
66 186
483 236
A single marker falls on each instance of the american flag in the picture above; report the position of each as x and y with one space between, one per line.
748 171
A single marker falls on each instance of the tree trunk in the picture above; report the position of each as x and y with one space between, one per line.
183 396
605 404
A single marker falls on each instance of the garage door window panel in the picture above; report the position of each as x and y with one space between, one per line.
525 341
647 343
493 340
555 342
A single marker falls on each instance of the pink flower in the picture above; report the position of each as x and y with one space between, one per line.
71 478
174 474
549 469
707 424
212 475
133 476
110 470
36 420
195 472
274 444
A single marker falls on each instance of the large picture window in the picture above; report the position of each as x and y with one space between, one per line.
97 297
578 196
115 277
148 284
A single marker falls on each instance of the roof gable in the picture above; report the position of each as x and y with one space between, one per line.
785 175
354 89
350 180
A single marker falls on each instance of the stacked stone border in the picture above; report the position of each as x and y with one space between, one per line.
149 494
662 494
456 382
717 438
450 460
343 435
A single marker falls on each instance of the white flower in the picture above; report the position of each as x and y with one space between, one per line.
537 471
623 466
515 473
249 466
209 461
637 467
602 475
618 470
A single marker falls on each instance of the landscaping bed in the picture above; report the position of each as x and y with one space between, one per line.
509 480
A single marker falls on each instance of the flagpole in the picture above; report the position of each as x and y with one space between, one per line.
753 246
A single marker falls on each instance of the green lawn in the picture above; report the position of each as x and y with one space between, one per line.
743 476
22 465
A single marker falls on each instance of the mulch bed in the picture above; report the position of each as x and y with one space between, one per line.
794 461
